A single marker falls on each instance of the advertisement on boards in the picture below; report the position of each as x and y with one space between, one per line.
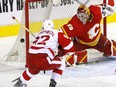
9 8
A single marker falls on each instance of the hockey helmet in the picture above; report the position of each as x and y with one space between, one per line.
47 25
83 13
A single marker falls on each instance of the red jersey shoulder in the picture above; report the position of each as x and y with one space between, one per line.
95 9
62 36
75 20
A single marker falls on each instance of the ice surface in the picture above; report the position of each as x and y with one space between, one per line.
101 74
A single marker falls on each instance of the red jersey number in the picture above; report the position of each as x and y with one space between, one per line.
43 40
70 27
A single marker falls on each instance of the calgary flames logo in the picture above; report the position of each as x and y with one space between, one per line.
92 33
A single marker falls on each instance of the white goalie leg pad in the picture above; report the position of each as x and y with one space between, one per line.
56 2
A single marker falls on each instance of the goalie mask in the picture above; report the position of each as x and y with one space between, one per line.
48 25
83 13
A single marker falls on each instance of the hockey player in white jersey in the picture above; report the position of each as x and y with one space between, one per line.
42 55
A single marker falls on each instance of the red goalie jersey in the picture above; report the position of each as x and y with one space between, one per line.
85 28
88 33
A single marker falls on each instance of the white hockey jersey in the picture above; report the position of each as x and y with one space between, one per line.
48 41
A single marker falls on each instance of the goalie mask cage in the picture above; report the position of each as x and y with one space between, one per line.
34 13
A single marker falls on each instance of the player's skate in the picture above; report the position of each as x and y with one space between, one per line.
52 83
19 83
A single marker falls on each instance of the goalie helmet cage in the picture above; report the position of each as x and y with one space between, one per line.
34 12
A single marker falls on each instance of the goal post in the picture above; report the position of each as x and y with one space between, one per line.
34 13
47 12
104 22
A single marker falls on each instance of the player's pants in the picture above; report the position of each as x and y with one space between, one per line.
38 62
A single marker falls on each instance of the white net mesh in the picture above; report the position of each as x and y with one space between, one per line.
38 11
16 55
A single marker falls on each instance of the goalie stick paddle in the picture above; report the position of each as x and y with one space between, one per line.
14 18
101 60
78 1
48 10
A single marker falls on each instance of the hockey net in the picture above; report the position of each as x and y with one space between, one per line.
34 13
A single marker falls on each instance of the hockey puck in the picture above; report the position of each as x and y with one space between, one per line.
77 63
22 40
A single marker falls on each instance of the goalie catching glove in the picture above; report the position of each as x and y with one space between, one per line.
107 10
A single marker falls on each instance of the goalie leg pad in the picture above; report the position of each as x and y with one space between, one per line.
81 56
113 48
78 57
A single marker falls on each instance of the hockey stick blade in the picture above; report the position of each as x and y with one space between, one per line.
97 61
15 79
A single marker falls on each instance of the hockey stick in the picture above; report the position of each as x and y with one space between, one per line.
48 10
78 1
87 2
14 18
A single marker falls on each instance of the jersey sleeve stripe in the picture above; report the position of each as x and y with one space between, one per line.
69 46
64 31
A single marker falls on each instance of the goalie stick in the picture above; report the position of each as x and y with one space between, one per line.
48 10
78 1
101 60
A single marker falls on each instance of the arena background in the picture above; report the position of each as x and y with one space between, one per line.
8 27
